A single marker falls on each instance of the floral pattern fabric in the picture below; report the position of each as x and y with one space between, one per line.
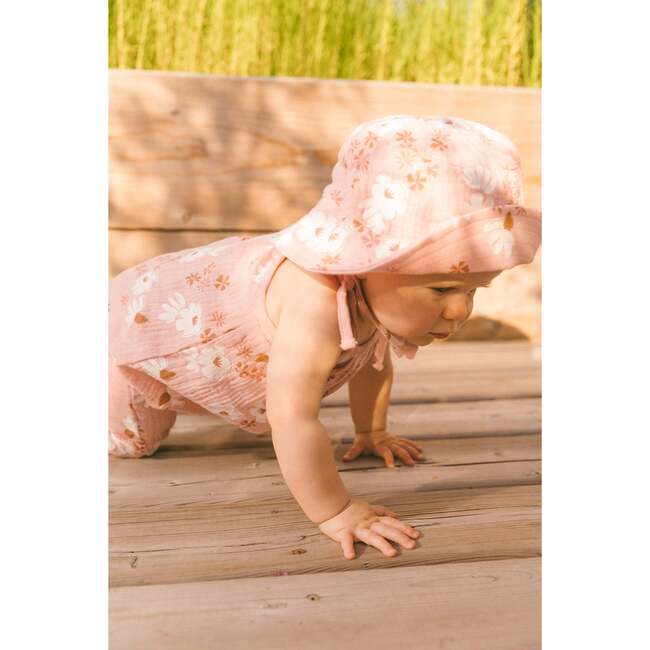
404 184
189 333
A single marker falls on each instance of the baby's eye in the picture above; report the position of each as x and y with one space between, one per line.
442 289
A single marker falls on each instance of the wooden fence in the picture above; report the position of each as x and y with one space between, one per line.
194 158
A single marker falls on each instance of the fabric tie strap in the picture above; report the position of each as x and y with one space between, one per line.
380 353
347 337
399 345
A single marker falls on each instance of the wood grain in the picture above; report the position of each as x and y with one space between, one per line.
215 152
470 606
209 549
471 498
463 371
233 475
195 433
258 538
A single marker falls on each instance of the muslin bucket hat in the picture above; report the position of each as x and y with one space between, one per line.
417 195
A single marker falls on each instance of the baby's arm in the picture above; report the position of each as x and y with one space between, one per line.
369 392
304 350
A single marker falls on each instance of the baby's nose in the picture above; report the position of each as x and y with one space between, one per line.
456 308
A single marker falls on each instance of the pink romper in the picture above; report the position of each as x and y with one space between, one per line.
189 333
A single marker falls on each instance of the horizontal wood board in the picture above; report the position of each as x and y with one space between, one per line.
467 606
206 541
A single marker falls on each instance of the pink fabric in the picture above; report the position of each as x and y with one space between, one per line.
189 333
419 195
134 428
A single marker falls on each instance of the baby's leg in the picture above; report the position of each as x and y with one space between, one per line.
134 429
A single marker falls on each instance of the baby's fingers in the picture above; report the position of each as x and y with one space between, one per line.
387 455
396 523
347 542
411 442
354 451
415 450
373 539
396 535
403 454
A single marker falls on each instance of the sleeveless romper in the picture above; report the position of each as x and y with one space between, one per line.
189 333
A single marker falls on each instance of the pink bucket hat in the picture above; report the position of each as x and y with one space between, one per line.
418 195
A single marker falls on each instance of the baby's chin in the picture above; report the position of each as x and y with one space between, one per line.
428 339
422 341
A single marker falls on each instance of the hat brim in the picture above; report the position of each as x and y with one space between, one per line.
474 242
479 243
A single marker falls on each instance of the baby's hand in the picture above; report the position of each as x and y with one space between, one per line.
383 445
362 522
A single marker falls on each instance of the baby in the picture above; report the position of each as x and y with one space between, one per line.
421 212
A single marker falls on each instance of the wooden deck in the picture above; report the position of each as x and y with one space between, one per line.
208 549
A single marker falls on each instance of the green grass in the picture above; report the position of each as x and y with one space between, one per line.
478 42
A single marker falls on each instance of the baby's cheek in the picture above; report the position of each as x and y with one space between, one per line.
470 307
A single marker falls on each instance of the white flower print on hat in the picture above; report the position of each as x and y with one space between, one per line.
482 183
428 182
388 200
500 236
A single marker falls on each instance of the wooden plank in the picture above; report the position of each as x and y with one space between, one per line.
208 152
463 385
202 434
230 476
470 606
177 515
463 371
472 355
133 500
264 537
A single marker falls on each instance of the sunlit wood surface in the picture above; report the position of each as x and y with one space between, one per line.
208 549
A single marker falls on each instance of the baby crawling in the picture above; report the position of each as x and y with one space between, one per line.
417 308
421 212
